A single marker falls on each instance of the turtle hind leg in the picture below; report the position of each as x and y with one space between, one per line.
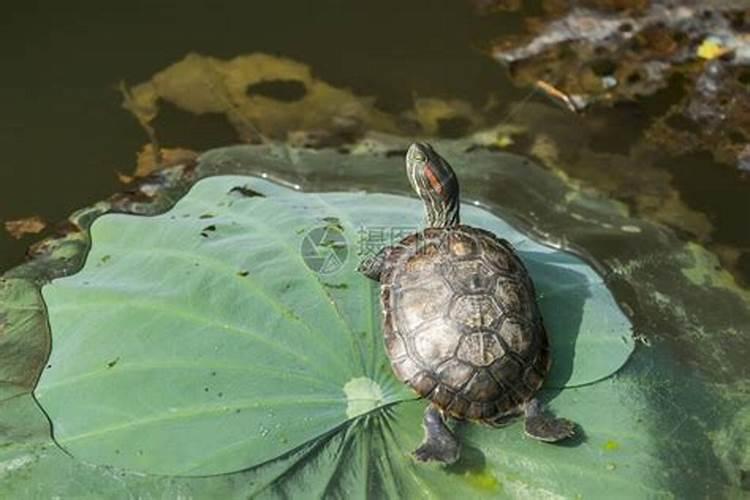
545 427
439 444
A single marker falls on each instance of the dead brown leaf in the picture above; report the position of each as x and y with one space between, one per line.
148 163
264 96
20 227
201 84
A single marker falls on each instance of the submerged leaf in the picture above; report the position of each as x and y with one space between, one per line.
267 96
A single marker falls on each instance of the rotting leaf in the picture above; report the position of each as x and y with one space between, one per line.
201 84
264 96
21 227
147 162
621 55
661 202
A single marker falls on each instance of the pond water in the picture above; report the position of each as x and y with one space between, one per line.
64 134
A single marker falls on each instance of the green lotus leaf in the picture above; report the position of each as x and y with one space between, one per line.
234 328
369 457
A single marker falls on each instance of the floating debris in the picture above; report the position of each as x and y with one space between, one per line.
711 48
21 227
168 157
618 52
266 97
573 103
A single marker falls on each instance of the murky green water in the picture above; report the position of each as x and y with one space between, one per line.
64 134
62 130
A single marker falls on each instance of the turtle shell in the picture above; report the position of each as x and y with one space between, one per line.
462 326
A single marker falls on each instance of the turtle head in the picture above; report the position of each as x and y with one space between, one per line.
434 181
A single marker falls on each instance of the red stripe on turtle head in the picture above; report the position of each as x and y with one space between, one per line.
433 179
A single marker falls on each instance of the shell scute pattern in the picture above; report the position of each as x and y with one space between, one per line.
421 302
406 369
480 348
475 311
514 334
516 298
462 327
455 373
505 369
424 383
459 405
469 276
435 343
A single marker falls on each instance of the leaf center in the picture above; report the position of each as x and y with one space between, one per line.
363 395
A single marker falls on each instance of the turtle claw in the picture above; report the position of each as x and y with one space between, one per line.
549 429
436 452
439 445
544 427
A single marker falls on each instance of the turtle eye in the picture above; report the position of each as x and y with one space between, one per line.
419 156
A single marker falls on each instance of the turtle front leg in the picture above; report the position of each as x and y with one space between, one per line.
372 267
439 443
544 427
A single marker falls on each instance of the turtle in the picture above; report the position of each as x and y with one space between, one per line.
460 320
